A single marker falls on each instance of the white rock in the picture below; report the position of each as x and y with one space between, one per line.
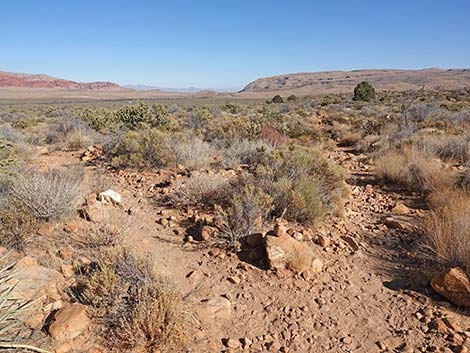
110 196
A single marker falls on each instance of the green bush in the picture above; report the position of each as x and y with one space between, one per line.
364 91
277 99
143 148
292 98
134 116
302 182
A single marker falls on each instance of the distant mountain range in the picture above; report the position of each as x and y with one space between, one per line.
344 81
14 85
164 89
9 79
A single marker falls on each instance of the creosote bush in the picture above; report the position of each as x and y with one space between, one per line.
49 194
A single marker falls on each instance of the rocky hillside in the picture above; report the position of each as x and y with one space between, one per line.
344 81
8 79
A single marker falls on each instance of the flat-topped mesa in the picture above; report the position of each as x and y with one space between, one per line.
344 81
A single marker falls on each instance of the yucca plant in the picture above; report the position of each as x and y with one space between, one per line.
11 310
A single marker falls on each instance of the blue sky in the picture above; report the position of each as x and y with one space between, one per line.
227 43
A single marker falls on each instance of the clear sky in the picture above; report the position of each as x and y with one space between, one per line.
227 43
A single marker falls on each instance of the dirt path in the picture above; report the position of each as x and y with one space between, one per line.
363 301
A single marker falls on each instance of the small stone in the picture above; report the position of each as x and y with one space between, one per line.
231 343
67 270
214 252
317 265
347 340
438 325
71 228
322 240
400 209
351 242
65 253
111 197
234 279
46 230
452 324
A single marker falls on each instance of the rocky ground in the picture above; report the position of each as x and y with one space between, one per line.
367 292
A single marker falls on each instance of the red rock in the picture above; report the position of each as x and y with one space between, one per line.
453 285
46 230
69 322
71 228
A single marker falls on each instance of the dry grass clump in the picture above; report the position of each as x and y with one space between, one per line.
447 227
414 170
244 151
449 148
245 213
351 138
192 152
50 194
200 189
17 226
137 308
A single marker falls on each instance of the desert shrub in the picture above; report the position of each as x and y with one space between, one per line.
136 307
277 99
364 91
272 136
191 151
198 118
447 227
413 169
99 119
245 213
292 98
50 194
244 151
200 189
449 148
17 225
351 138
7 158
71 132
10 134
302 182
133 116
146 147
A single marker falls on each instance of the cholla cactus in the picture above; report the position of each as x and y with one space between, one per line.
252 128
7 156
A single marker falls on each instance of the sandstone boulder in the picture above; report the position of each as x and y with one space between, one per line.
286 252
69 322
453 285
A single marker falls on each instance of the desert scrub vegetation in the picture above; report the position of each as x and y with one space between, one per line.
135 307
244 151
302 182
200 189
364 91
414 170
46 194
447 227
244 214
17 225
